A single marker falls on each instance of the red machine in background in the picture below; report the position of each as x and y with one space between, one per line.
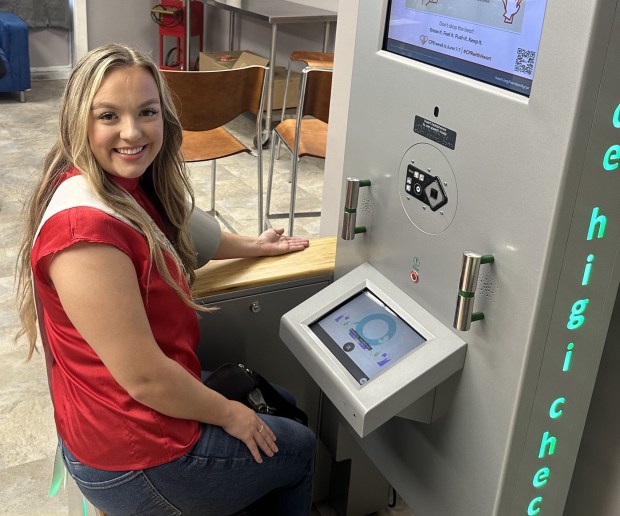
170 16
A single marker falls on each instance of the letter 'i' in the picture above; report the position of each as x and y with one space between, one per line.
587 270
568 356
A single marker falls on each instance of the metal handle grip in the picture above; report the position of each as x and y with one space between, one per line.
349 230
464 313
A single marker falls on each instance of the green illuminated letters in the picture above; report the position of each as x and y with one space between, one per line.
547 440
540 477
532 508
568 356
601 220
587 270
559 407
576 318
554 412
610 160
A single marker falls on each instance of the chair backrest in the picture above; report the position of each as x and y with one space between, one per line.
207 100
313 58
317 92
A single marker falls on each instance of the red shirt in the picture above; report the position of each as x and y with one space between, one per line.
100 423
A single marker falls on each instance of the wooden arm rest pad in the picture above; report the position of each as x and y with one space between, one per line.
219 276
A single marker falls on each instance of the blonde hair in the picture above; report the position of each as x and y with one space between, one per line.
166 181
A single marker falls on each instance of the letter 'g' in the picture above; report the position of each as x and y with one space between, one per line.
576 319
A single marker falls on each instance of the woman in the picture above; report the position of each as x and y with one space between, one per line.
108 251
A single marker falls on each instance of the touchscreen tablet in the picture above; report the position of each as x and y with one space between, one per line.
366 336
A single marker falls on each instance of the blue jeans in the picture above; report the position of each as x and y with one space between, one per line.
217 477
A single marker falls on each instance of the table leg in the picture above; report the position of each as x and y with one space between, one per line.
272 66
231 31
326 32
188 34
269 104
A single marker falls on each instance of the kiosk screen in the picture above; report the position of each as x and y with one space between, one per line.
494 41
366 336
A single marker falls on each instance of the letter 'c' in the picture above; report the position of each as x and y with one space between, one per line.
554 411
532 508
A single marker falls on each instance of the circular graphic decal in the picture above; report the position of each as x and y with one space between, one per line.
376 329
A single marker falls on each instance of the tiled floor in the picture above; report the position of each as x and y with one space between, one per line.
27 435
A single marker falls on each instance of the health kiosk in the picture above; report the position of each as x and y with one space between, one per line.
477 263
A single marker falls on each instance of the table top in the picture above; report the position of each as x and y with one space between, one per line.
222 276
276 11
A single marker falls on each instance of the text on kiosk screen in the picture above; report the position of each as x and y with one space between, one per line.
493 42
366 336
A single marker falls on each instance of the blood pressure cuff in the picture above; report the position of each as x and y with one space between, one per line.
206 234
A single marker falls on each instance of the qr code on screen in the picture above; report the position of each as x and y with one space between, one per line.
525 61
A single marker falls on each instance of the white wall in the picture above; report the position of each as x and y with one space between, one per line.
49 47
120 21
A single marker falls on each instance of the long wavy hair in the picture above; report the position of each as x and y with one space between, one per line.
166 180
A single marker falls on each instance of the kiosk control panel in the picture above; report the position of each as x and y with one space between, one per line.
370 347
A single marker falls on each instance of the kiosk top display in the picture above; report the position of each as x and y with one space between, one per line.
492 41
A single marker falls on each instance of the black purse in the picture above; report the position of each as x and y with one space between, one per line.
238 383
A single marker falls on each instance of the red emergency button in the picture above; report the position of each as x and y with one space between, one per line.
415 276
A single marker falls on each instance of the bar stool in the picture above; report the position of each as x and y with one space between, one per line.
307 58
302 136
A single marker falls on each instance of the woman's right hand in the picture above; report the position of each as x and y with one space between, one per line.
245 425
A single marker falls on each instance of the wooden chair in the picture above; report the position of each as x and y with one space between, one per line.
208 100
301 135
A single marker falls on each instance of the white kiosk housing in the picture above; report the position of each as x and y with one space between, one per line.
482 212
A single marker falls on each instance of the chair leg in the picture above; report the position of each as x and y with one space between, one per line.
213 187
212 210
290 214
291 211
288 77
283 115
259 185
274 136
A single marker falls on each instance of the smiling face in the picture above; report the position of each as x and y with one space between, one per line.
125 125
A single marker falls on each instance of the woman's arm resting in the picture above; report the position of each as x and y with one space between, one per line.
99 291
271 242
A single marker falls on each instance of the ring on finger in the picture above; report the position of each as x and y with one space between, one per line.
261 428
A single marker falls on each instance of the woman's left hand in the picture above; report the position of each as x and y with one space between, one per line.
273 242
